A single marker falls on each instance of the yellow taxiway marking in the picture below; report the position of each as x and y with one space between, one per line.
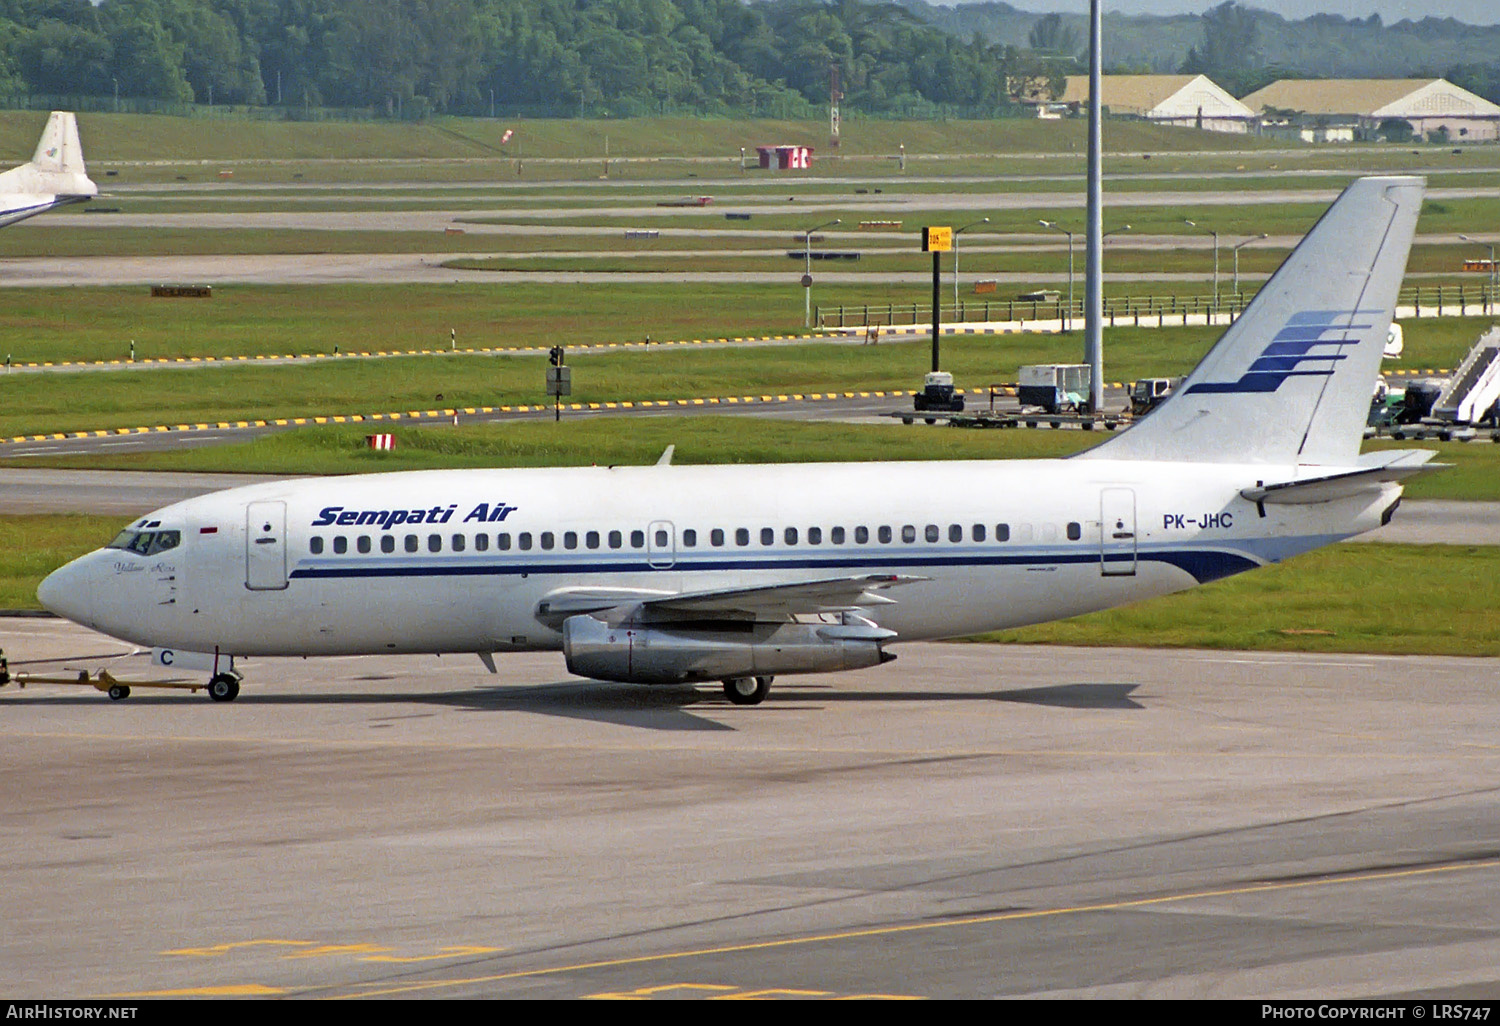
641 993
959 922
456 952
231 990
337 949
224 949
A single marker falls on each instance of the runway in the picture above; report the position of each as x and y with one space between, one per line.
970 821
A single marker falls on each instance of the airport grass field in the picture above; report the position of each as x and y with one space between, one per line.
547 202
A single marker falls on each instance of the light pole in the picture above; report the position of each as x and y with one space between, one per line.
1490 299
1237 248
956 233
1194 224
807 274
1067 321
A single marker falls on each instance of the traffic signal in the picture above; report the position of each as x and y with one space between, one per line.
555 354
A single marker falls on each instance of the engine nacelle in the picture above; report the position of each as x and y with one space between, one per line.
664 653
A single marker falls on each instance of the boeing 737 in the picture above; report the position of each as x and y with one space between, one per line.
676 574
54 176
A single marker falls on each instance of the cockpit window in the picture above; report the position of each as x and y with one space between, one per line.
146 543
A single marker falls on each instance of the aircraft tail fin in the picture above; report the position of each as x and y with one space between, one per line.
59 151
1290 381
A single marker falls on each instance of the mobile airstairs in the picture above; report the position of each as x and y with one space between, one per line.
1470 395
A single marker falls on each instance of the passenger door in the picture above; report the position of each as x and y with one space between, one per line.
1117 539
265 546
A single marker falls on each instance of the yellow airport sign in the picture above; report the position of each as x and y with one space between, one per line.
937 239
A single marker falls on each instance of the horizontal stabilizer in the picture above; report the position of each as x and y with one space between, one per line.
1391 466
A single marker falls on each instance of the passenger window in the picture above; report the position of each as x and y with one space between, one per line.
458 543
434 543
1002 532
1075 530
363 544
884 534
931 532
836 536
387 543
637 539
547 539
815 536
615 540
591 539
481 543
742 536
523 540
978 530
340 545
861 535
767 536
955 533
502 541
570 539
791 536
716 536
411 543
689 538
661 539
315 545
908 533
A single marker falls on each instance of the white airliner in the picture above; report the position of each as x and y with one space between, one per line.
676 574
54 176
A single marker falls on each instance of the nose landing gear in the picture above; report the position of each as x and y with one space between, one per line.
224 687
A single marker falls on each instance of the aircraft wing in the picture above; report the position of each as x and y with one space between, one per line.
830 595
772 601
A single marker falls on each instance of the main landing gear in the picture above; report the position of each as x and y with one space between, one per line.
747 690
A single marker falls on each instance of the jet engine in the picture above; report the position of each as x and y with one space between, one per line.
670 652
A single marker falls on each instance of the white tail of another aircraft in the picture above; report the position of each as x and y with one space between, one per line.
1289 383
54 176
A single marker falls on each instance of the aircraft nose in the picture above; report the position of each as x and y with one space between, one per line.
67 591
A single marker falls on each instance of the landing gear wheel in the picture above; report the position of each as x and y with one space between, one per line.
223 688
118 691
747 690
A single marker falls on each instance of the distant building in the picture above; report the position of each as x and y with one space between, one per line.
1341 109
1191 101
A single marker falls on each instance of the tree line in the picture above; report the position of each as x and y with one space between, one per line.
770 58
556 57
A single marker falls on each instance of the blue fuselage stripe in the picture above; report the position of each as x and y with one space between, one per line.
1203 564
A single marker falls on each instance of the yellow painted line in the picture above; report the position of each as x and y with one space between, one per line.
232 990
224 949
454 952
958 922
